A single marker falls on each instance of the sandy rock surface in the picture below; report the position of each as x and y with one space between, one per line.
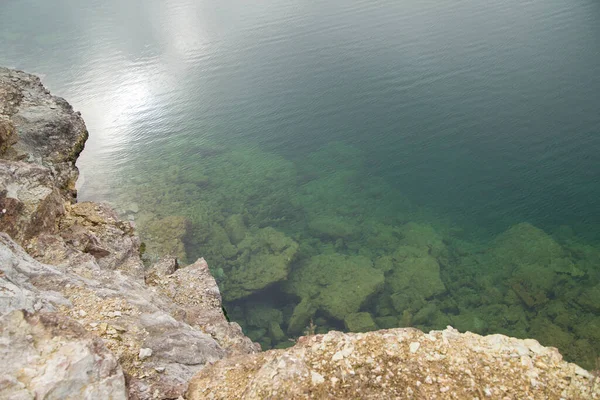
399 364
48 356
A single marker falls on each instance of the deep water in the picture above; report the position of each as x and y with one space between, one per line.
347 165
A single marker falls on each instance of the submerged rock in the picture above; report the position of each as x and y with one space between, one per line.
265 258
335 284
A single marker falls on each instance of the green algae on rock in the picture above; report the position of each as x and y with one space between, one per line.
264 259
336 284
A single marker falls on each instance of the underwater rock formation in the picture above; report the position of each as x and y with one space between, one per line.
264 259
335 284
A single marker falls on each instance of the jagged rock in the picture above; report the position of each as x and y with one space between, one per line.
128 315
8 137
195 290
398 363
49 356
31 202
90 231
49 132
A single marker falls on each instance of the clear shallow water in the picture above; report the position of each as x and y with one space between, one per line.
338 124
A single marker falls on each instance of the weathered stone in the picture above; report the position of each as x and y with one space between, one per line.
49 356
398 363
128 315
49 132
31 201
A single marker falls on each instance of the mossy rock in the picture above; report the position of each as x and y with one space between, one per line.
422 237
301 316
261 315
235 228
524 244
336 284
415 274
388 322
219 239
469 321
265 259
333 227
360 322
256 335
590 299
165 236
275 332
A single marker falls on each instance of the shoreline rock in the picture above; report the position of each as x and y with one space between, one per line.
81 263
402 363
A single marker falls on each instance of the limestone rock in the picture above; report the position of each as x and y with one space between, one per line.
31 201
128 315
49 132
96 278
49 356
398 363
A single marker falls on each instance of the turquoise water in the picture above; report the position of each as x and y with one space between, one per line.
349 165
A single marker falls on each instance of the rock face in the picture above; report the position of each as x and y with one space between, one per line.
94 317
399 364
49 356
39 128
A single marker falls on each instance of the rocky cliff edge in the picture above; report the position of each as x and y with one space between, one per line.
82 318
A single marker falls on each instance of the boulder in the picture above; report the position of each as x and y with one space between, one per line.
265 258
414 278
360 322
398 363
49 132
336 284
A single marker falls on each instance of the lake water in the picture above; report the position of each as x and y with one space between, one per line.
346 164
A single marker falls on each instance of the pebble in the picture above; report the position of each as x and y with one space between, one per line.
414 346
145 353
316 378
